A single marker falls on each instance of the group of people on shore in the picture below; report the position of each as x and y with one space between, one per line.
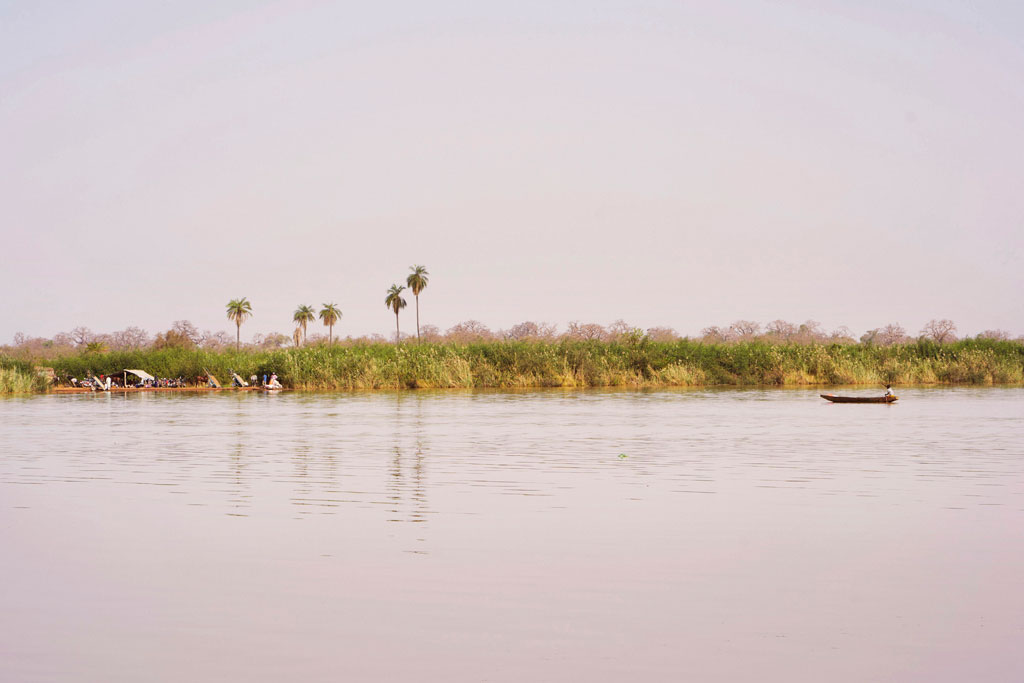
128 380
107 382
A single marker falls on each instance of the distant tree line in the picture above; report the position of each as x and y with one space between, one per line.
185 335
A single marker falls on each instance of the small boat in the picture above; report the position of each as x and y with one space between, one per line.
134 390
859 399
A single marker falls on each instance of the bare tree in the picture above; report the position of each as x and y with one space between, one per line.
842 335
619 330
810 332
662 334
274 340
63 339
187 329
530 330
744 329
430 333
715 335
80 336
997 335
468 331
586 331
26 347
172 339
941 331
129 339
217 340
781 330
524 330
893 333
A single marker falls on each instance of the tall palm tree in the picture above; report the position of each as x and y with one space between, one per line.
304 314
417 282
395 302
330 314
239 311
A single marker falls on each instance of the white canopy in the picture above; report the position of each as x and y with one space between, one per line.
142 374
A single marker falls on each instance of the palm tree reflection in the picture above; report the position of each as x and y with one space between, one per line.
407 480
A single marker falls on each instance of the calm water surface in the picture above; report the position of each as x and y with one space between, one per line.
671 535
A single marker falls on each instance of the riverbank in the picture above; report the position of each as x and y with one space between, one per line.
507 364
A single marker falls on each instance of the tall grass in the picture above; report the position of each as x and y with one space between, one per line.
637 363
18 377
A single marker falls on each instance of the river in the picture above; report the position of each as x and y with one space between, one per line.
699 535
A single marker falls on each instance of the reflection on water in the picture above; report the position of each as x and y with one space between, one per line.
601 533
322 452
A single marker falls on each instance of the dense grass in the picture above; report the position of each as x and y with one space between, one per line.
18 377
641 363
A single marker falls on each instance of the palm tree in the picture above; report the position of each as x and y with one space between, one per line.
238 311
304 314
395 302
417 282
330 314
95 347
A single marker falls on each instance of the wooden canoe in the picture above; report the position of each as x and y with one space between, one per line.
133 390
859 399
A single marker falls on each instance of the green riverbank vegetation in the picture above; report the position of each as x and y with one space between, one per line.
19 377
530 354
635 360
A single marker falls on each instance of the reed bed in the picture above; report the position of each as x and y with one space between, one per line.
18 377
514 364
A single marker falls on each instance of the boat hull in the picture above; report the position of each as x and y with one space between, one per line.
132 390
859 399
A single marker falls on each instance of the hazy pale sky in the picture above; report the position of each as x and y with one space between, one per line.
676 164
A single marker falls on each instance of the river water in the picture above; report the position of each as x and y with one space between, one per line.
744 535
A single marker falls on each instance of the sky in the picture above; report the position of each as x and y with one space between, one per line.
675 164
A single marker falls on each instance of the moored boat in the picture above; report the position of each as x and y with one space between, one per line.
133 390
859 399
